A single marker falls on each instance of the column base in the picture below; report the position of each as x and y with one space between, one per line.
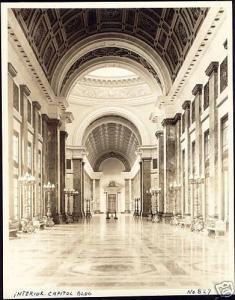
58 218
166 217
27 226
49 222
78 216
69 219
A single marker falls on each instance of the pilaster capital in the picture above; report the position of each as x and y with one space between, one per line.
67 116
186 105
64 134
159 133
25 89
56 122
177 117
12 70
213 67
36 105
168 121
197 89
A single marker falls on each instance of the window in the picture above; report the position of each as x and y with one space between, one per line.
193 111
206 96
16 147
155 163
183 122
223 74
224 128
29 112
29 156
16 97
68 164
206 145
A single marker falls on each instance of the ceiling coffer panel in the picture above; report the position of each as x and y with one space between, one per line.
52 32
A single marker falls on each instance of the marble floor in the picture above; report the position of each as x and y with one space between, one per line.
120 257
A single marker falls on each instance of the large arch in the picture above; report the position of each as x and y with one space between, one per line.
116 155
110 61
79 131
120 40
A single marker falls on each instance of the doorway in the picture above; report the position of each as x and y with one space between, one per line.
112 203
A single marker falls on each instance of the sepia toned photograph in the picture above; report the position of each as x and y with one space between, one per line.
118 168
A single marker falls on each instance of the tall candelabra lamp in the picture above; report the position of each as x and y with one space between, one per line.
69 201
197 219
27 183
88 208
49 188
174 188
154 192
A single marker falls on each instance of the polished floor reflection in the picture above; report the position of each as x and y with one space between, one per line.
126 254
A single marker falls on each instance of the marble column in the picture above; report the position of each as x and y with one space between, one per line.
63 136
141 189
160 149
212 73
38 202
24 93
52 160
197 92
11 74
127 196
130 195
178 162
169 164
78 211
146 165
186 196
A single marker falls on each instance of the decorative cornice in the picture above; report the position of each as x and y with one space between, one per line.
36 105
25 89
146 158
12 70
213 67
197 89
186 105
158 133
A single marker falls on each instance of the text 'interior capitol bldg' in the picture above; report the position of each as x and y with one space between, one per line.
119 149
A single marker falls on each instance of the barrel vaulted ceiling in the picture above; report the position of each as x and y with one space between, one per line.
112 139
52 32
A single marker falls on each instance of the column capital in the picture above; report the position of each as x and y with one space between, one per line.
36 105
197 89
64 133
12 70
168 121
146 158
177 117
213 67
158 133
186 105
25 89
67 116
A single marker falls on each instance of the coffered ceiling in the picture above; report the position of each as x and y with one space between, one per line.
111 140
52 32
